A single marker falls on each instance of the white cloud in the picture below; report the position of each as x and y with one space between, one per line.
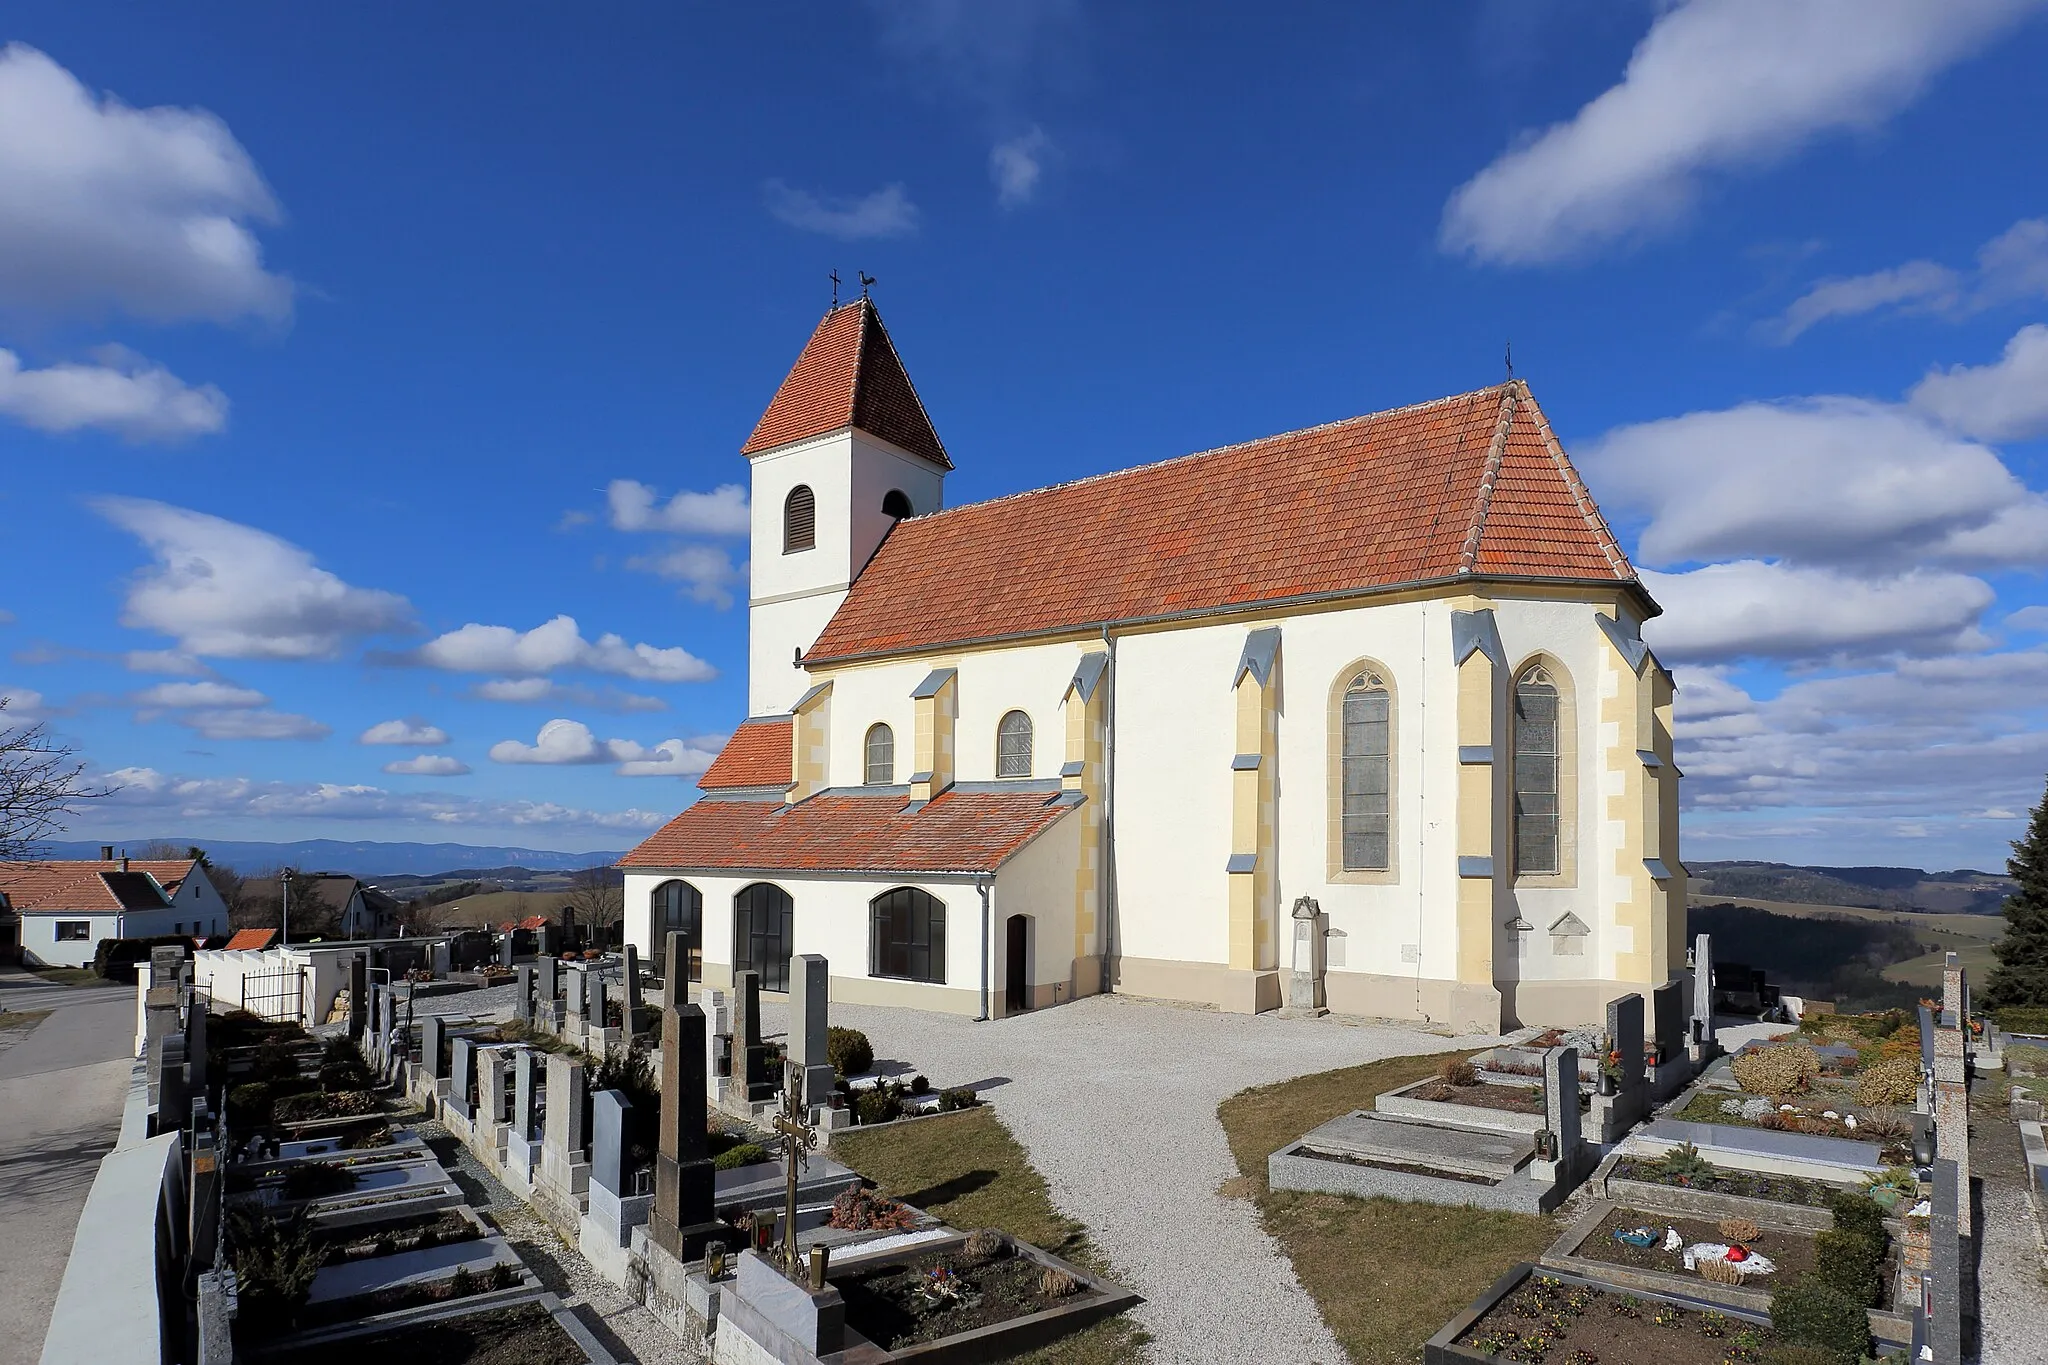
1016 166
24 706
557 644
148 789
1751 609
887 212
2006 400
1716 85
127 395
411 730
1850 482
428 765
162 661
563 741
147 210
2012 265
706 572
251 724
531 690
637 507
210 694
2033 620
232 591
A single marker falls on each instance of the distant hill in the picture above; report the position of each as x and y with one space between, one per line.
368 860
1962 891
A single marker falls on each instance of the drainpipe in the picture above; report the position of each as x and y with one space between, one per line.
983 885
1107 895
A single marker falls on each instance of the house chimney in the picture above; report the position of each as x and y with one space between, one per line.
106 853
124 860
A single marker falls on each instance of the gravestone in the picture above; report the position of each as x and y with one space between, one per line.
358 996
717 1045
1703 990
684 1179
610 1115
578 976
373 1029
506 945
489 1119
460 1072
433 1033
525 1065
195 1045
1625 1032
1561 1102
563 1163
748 1051
809 995
442 960
1667 1015
174 1103
547 993
1955 992
547 941
522 995
629 1016
1305 991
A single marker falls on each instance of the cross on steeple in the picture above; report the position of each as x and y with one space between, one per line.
835 286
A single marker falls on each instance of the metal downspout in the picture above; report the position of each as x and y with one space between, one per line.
983 885
1107 894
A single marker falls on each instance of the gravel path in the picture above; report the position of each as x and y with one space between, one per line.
1115 1101
2011 1285
626 1328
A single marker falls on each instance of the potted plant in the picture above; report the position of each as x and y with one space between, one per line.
1610 1072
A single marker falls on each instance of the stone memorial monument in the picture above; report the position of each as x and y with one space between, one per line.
1305 988
809 997
685 1187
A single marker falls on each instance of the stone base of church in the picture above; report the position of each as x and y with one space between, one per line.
1201 983
1562 1004
1459 1005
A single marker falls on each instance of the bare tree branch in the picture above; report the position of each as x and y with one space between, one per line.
598 895
41 782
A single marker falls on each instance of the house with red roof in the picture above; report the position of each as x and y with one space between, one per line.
66 907
1355 717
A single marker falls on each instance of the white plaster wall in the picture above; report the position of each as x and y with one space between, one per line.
39 938
878 467
1039 882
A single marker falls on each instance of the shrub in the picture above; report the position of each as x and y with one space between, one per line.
503 1276
1684 1160
350 1103
1782 1070
878 1105
249 1104
1739 1230
1895 1080
920 1086
740 1154
275 1261
1847 1263
983 1246
631 1073
862 1210
314 1179
1720 1272
1457 1071
1805 1355
1055 1283
1812 1314
849 1051
956 1098
461 1284
384 1246
2022 1018
1857 1212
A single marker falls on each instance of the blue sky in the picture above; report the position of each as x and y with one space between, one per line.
340 355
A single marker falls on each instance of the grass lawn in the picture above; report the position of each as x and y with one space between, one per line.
22 1019
968 1170
1386 1275
66 976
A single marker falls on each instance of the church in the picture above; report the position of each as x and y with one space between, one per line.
1368 699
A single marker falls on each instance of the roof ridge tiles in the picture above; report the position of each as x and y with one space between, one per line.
1588 509
1468 558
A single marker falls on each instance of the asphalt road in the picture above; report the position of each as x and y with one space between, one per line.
61 1092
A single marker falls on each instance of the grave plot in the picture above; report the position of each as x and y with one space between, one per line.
1540 1316
538 1332
1863 1093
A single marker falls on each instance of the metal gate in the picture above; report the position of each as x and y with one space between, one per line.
278 995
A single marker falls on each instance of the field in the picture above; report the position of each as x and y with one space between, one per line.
1971 936
492 908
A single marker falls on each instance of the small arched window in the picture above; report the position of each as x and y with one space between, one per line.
799 519
879 767
1013 745
896 504
1367 763
908 935
1537 822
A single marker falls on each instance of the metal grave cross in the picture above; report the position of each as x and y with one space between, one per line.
799 1138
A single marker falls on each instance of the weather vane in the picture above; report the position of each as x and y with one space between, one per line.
1509 357
865 280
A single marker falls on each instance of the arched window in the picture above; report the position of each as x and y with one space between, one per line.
799 520
1538 826
1013 745
896 503
677 907
763 923
880 756
908 936
1367 764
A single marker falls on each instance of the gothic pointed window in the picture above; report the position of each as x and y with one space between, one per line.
879 767
1538 827
1013 745
799 520
1367 772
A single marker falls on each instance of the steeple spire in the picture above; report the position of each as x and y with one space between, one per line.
849 375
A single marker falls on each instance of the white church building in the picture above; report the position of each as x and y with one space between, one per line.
1108 735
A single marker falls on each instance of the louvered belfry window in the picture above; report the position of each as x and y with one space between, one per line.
1536 772
881 756
799 520
1013 745
1367 764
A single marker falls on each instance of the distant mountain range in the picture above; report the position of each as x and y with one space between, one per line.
1962 891
368 860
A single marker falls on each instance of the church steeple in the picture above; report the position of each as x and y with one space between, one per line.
849 376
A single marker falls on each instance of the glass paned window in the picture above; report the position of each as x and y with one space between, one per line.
881 756
679 908
1367 774
1013 745
1536 773
763 926
908 936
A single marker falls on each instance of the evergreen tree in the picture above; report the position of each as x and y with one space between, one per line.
2021 976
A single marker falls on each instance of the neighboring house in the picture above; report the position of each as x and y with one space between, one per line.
1118 733
66 908
333 905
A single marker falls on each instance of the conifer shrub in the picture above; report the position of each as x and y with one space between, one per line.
1847 1262
1895 1080
1812 1314
849 1051
741 1154
1786 1069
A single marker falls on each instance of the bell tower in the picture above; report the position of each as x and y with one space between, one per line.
843 452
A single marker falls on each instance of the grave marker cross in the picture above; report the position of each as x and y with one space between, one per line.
799 1137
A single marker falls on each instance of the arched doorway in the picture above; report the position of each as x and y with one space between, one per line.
677 907
1017 965
763 926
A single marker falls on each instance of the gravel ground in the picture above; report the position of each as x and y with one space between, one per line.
486 1002
2011 1286
1115 1100
629 1330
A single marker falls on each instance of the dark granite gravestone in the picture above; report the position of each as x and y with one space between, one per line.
522 995
547 993
358 997
747 1037
809 997
1667 1014
610 1120
433 1035
525 1066
507 945
684 1179
1561 1101
1625 1035
630 1017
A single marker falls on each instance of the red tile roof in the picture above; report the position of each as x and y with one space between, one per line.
955 832
1469 485
848 375
92 885
244 940
757 755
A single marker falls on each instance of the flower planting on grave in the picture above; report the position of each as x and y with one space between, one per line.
462 1284
1732 1251
523 1335
862 1210
275 1260
1547 1320
982 1283
1684 1168
390 1237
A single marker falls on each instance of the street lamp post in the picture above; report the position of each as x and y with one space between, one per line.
285 924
